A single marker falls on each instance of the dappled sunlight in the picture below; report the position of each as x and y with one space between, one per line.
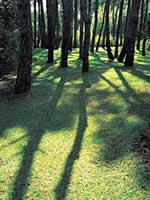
73 133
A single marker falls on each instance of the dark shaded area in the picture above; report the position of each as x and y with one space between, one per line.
62 186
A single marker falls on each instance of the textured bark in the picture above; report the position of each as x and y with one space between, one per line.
100 33
23 81
95 26
109 51
39 24
67 31
123 51
141 26
51 29
119 27
145 29
81 29
132 33
35 27
57 27
75 23
42 26
87 23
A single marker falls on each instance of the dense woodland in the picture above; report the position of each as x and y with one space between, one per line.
118 26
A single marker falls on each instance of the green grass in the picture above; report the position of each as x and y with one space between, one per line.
72 137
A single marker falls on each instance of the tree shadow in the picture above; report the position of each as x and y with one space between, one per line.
34 137
62 186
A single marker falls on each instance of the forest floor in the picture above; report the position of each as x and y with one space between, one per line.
77 137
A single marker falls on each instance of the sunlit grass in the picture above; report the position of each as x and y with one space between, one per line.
72 137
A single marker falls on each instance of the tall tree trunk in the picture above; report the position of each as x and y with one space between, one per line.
100 33
141 26
75 23
35 27
109 51
145 29
23 81
57 27
119 27
51 29
87 23
132 33
95 26
81 29
43 34
39 24
67 31
123 51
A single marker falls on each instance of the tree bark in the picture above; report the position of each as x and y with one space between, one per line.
132 33
75 23
81 30
87 23
141 26
109 51
100 33
95 26
42 25
23 81
67 31
119 27
35 27
51 29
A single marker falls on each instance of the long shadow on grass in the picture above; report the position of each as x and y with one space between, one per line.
35 136
62 186
127 128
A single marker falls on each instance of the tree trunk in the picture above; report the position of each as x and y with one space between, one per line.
39 25
81 29
23 81
109 52
132 33
95 26
75 23
57 27
144 29
123 51
119 27
42 19
141 26
100 33
51 29
35 28
67 31
87 23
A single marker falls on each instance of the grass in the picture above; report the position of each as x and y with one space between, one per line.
72 137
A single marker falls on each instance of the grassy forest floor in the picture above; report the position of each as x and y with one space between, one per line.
77 137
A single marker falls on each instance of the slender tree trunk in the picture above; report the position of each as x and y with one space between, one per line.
67 31
87 23
43 34
35 27
23 81
119 27
75 23
100 33
57 27
141 26
132 33
123 51
109 51
39 24
95 26
51 29
81 29
144 29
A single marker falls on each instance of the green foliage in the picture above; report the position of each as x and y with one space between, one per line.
8 37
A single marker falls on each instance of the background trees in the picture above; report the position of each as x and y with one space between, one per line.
123 24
